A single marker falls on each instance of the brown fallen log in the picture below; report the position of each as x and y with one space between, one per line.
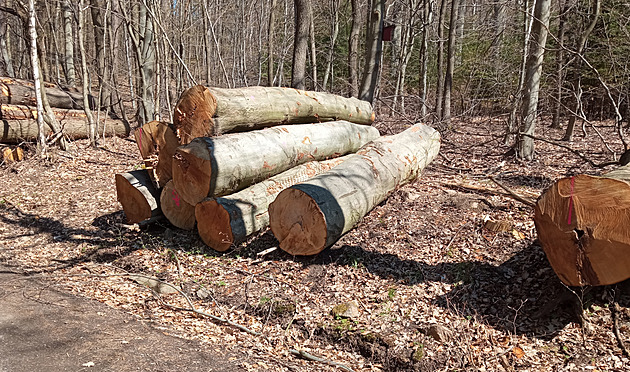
157 143
582 224
139 198
175 209
193 114
22 92
205 111
223 165
228 220
312 215
18 123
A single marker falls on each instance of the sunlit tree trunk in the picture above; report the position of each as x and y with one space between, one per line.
450 66
91 125
68 43
557 112
373 51
270 43
41 137
4 46
300 43
353 49
439 89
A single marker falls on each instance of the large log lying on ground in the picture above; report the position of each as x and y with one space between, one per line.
22 92
18 123
223 165
583 224
157 143
138 196
205 111
310 216
175 209
230 219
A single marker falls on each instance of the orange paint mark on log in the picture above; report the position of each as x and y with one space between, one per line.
306 141
267 166
414 129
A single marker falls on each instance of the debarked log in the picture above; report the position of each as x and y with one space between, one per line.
583 224
310 216
228 220
139 198
203 111
19 123
226 164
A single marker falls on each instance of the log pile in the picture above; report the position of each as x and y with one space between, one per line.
277 138
582 224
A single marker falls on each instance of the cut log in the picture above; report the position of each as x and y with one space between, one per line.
157 143
228 220
19 123
175 209
583 224
310 216
223 165
12 154
22 92
139 198
205 111
193 114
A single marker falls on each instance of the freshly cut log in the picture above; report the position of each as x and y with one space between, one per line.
12 154
18 123
223 165
310 216
139 198
22 92
157 143
175 209
230 219
583 224
203 111
193 114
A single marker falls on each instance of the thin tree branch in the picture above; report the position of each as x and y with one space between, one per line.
307 356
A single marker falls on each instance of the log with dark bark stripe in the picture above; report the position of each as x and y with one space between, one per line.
22 92
157 143
228 220
223 165
203 111
18 123
583 224
175 209
310 216
139 198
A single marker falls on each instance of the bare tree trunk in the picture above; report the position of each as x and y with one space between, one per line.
300 46
557 112
427 15
68 43
4 46
333 40
450 67
91 125
525 146
373 51
439 89
353 50
41 138
313 48
270 43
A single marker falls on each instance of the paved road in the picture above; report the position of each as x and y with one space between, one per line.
43 329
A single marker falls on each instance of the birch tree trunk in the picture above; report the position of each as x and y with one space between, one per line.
41 138
525 146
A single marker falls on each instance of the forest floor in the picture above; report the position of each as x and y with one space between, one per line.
436 289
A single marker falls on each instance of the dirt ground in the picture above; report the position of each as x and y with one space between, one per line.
436 290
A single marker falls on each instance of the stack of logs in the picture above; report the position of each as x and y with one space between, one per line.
283 163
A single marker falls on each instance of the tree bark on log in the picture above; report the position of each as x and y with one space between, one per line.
139 198
228 220
157 143
310 216
175 209
582 224
18 123
223 165
22 92
205 111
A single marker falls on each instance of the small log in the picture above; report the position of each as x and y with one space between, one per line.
12 154
175 209
22 92
310 216
139 198
157 143
582 224
203 111
223 165
193 114
228 220
19 123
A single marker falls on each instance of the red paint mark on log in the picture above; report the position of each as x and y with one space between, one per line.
175 197
267 166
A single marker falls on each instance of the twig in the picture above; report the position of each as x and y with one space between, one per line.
614 314
576 152
512 193
307 356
